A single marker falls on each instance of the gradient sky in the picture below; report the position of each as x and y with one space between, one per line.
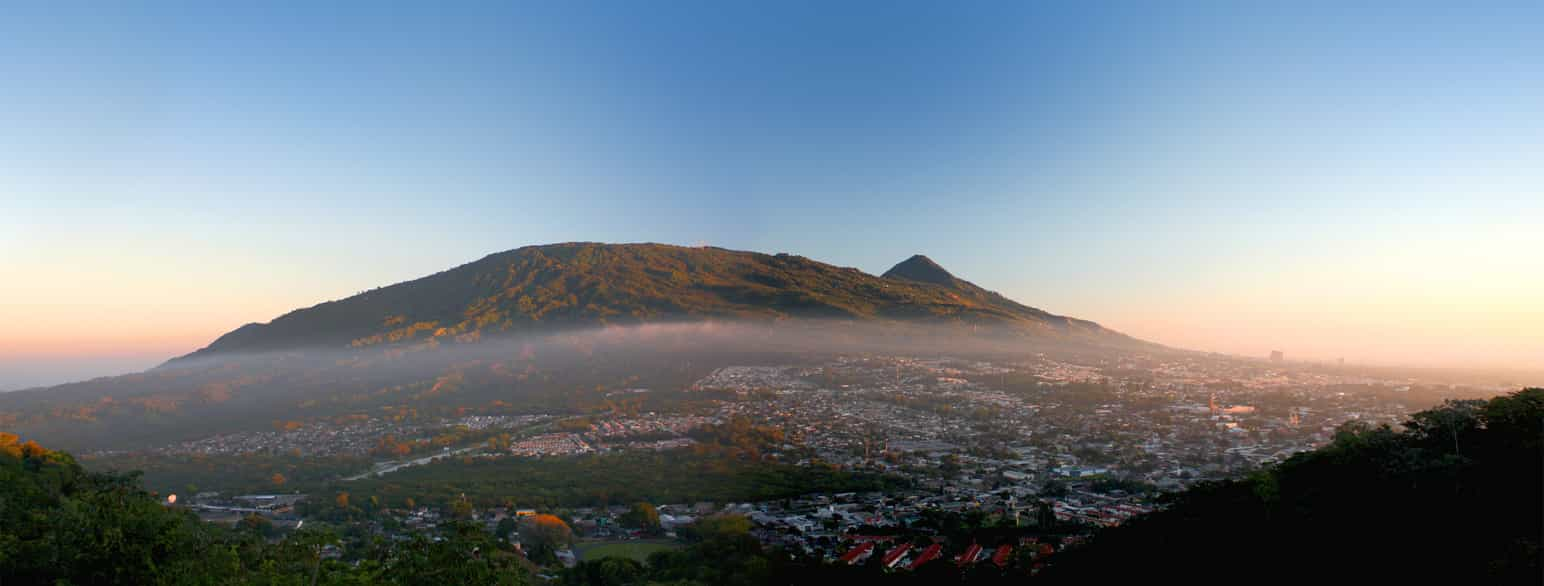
1359 181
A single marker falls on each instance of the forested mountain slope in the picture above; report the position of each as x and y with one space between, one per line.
539 288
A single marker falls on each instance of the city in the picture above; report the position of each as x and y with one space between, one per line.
1050 447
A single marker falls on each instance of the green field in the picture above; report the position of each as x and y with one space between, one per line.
638 550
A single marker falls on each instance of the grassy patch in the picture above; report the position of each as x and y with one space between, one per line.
638 550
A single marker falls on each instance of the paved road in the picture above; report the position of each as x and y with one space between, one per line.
391 466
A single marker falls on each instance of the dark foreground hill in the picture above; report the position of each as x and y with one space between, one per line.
542 288
1454 498
60 524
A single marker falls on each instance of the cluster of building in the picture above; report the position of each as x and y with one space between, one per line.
1029 445
1163 427
314 439
745 379
550 444
853 528
217 508
618 429
486 422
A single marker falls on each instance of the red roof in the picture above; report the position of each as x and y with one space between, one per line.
927 556
852 554
1001 557
969 557
895 554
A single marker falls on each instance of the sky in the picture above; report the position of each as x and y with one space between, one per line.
1331 179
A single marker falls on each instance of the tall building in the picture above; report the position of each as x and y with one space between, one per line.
1276 356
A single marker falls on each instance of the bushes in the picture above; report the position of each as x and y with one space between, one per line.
61 524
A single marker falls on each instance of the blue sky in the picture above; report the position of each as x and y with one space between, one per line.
1333 180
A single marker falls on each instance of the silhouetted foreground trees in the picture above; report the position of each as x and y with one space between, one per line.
1453 498
60 524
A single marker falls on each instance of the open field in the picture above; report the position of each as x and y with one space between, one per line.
638 549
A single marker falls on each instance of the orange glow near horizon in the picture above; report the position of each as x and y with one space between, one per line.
1433 302
1475 327
1465 300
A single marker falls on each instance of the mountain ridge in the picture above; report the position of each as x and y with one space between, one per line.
541 328
553 286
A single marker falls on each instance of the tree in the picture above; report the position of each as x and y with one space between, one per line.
277 479
607 571
341 500
642 516
60 524
9 445
312 541
256 524
464 554
506 526
1053 488
1045 515
461 509
718 527
545 534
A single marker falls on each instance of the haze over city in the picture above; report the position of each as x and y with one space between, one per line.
1332 182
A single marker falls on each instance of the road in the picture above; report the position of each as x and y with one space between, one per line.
393 466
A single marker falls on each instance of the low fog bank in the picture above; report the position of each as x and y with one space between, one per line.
437 377
538 370
789 336
32 372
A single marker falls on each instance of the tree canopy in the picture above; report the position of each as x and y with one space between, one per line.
60 524
1454 497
